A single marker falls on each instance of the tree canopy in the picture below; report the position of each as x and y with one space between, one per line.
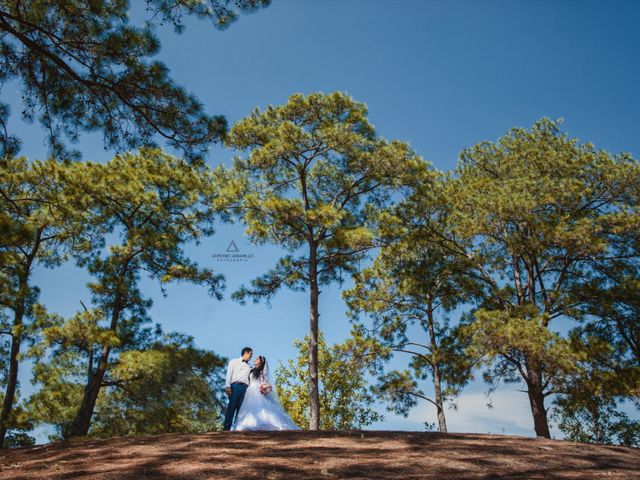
346 401
534 213
315 173
83 66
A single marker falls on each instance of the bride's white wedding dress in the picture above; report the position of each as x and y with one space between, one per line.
262 411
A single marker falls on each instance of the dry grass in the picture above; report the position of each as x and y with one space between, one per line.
320 455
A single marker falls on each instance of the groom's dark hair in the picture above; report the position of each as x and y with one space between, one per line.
246 349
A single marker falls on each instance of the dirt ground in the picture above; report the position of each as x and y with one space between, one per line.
320 455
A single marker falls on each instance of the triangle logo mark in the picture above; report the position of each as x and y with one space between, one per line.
233 247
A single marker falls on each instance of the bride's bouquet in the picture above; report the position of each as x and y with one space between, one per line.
265 388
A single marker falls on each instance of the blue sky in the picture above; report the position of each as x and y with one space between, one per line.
442 75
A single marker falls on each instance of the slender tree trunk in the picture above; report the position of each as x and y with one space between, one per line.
442 422
16 340
12 377
314 394
534 372
82 421
437 382
536 400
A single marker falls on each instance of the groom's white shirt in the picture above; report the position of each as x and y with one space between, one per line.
238 371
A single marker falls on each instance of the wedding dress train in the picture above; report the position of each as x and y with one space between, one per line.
262 411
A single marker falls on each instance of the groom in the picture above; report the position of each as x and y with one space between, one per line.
236 384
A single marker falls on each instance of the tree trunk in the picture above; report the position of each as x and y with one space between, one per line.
442 422
437 382
314 394
82 421
535 388
12 377
16 339
536 400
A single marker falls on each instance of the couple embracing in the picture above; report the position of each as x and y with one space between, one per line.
252 400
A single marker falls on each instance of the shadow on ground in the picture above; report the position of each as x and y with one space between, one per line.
318 455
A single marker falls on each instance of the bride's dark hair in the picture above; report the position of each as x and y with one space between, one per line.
256 371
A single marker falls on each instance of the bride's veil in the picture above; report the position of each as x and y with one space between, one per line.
267 378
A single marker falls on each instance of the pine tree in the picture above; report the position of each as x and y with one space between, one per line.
346 401
82 66
153 204
315 173
532 212
415 281
43 225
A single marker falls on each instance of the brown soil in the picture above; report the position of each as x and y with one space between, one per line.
320 455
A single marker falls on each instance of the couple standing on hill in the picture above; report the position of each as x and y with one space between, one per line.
252 399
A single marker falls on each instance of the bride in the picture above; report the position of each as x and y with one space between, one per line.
261 409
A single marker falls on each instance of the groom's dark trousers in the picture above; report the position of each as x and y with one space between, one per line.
238 390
